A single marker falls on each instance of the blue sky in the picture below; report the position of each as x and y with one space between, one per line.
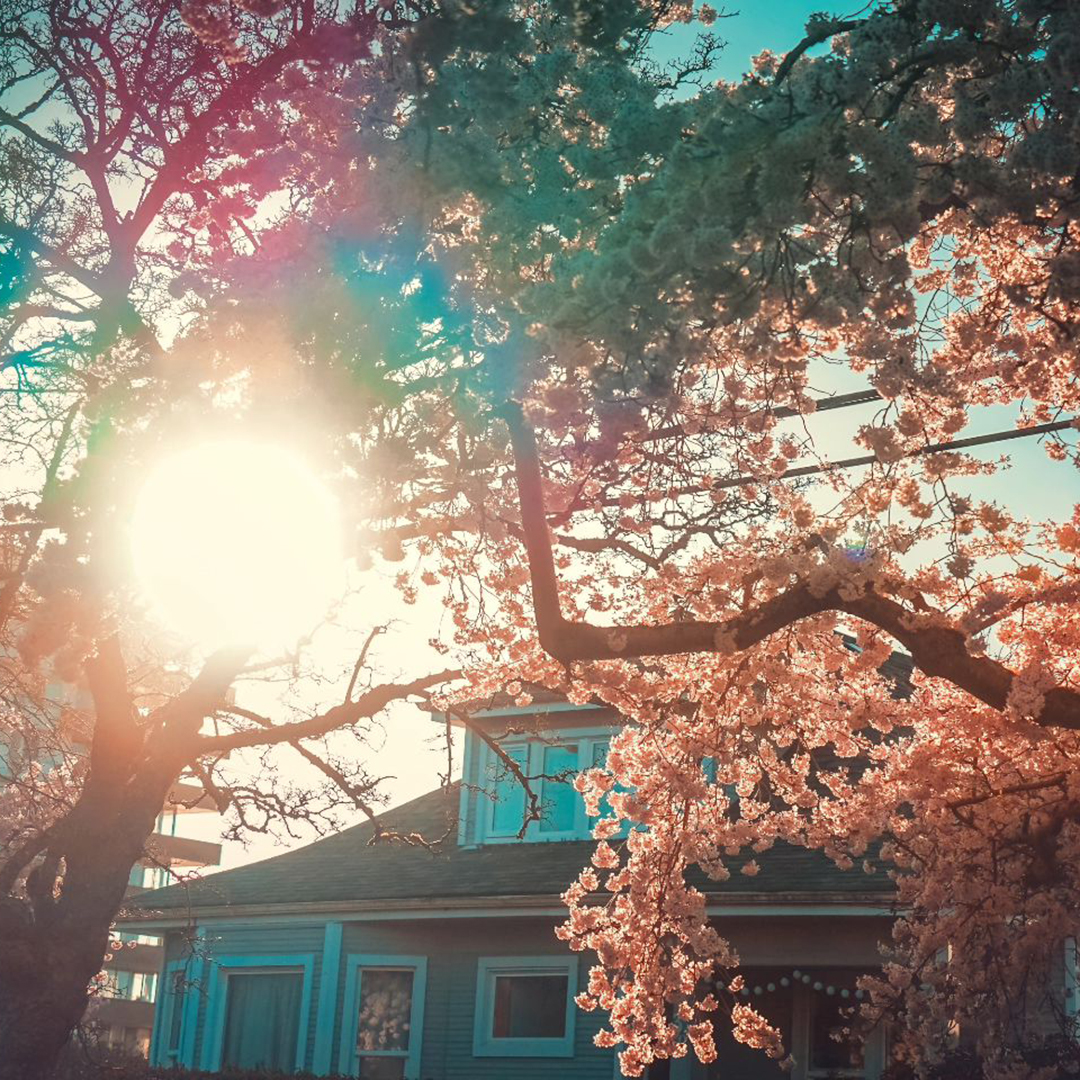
750 28
1033 485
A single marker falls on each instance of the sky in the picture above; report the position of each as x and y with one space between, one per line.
408 750
750 28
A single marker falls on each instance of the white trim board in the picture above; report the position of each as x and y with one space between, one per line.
511 908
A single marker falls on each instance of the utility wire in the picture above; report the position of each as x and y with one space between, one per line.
850 463
837 401
930 448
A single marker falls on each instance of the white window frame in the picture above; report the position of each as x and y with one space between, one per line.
488 969
223 967
355 964
491 765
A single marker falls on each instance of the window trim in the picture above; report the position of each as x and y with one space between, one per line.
535 743
349 1057
874 1046
164 1012
488 968
222 968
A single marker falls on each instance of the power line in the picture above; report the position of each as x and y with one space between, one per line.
850 463
782 412
837 401
931 448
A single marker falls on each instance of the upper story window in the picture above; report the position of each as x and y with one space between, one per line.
551 762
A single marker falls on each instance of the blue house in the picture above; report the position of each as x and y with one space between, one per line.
390 962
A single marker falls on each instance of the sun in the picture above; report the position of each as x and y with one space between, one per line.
237 543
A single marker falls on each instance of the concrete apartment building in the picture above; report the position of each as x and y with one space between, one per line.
122 1013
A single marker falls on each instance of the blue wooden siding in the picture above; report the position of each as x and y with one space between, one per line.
256 938
453 948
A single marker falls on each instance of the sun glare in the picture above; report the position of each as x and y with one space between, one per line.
237 543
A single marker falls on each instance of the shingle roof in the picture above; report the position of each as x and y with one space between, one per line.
345 869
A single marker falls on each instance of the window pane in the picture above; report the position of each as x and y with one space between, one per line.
530 1007
382 1068
559 798
385 1008
826 1021
143 986
599 761
177 1010
509 809
262 1020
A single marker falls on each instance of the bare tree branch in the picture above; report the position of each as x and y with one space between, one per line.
368 704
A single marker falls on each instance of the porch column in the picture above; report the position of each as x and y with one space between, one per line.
329 973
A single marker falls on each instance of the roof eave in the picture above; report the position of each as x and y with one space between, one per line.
745 904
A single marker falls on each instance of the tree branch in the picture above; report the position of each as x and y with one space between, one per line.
825 31
937 647
13 584
368 704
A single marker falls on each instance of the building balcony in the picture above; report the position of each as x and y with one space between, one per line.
118 1012
182 851
144 958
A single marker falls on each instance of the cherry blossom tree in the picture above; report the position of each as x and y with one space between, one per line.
579 320
659 285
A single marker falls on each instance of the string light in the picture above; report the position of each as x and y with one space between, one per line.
801 978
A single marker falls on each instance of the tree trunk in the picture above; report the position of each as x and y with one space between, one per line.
44 975
55 940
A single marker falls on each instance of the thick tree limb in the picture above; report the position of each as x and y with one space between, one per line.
937 647
179 721
824 31
117 735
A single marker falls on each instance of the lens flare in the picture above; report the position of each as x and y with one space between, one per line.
237 543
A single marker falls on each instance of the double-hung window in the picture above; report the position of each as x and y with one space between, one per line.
258 1013
170 1022
382 1031
507 808
552 763
558 799
525 1006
